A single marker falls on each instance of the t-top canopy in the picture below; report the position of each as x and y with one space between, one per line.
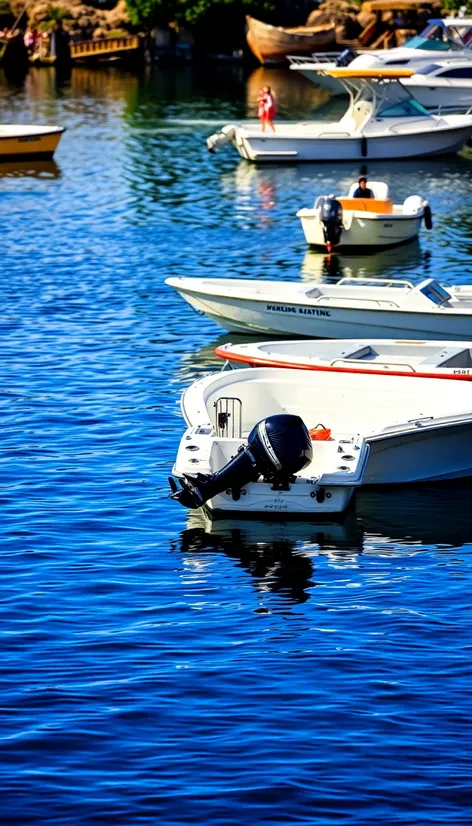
398 5
382 74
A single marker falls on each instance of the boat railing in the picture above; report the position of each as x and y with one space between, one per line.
334 134
453 109
398 128
386 282
341 301
374 364
319 57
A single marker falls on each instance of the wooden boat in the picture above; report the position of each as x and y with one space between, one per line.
384 357
272 44
22 142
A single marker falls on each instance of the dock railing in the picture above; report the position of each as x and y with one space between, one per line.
104 46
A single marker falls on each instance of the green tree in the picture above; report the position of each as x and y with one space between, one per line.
192 12
455 5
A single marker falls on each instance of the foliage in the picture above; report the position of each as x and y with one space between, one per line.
117 33
56 14
4 8
456 5
191 12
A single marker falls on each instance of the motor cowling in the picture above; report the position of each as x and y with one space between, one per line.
346 57
277 448
331 216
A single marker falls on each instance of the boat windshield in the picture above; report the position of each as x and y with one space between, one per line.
403 109
438 37
429 69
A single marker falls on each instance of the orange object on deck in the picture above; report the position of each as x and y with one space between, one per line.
367 205
320 433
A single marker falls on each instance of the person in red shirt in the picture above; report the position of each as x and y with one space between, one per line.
266 108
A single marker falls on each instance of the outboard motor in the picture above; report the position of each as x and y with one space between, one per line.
332 220
346 57
277 448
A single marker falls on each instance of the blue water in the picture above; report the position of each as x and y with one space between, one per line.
156 668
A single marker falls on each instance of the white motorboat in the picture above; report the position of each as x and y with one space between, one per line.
368 307
441 40
446 85
232 460
353 223
416 432
417 359
383 121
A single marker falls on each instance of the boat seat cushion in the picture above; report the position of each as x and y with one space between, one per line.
367 205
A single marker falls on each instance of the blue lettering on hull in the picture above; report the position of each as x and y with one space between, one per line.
277 308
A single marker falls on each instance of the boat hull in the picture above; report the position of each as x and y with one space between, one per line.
279 147
434 95
28 146
423 455
259 498
309 496
254 316
363 230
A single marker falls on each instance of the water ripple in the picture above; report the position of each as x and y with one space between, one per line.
162 668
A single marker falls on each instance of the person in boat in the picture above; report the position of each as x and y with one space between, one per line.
266 108
362 190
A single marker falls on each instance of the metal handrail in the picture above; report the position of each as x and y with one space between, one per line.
338 134
319 57
339 298
392 282
374 364
396 129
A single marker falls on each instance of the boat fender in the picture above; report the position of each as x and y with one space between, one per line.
277 448
428 217
364 146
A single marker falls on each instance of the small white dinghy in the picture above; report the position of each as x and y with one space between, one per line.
416 432
233 460
352 308
353 223
418 359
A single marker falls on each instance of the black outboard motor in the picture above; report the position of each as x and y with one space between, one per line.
332 220
346 57
277 448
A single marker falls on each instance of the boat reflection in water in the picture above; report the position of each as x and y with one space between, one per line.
281 556
407 262
292 96
30 169
277 554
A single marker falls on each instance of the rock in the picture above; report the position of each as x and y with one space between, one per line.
81 20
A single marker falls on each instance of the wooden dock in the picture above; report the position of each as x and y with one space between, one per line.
106 48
